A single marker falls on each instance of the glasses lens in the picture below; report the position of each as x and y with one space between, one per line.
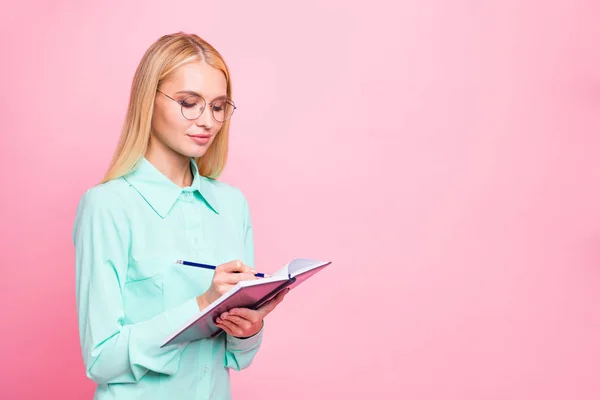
192 107
222 110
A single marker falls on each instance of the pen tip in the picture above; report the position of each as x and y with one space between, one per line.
178 261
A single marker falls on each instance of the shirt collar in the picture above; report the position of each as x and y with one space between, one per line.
161 193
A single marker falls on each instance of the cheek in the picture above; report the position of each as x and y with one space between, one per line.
166 123
216 128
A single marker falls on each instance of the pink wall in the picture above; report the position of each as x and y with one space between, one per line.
442 154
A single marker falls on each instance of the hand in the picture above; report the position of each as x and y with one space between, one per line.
243 322
225 277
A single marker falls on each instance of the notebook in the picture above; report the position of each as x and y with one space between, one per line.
247 294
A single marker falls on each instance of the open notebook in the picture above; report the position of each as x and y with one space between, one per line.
248 294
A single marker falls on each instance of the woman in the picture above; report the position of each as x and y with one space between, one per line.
160 202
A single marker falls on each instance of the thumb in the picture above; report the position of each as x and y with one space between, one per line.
271 304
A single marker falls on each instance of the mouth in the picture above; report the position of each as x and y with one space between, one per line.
200 139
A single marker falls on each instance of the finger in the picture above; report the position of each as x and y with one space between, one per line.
225 328
269 306
279 298
225 318
245 313
235 266
242 323
233 278
232 328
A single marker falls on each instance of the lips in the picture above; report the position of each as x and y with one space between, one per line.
200 140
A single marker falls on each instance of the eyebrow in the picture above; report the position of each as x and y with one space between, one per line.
191 92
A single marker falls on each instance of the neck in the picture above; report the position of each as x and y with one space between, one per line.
173 165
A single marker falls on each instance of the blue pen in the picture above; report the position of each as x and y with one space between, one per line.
206 266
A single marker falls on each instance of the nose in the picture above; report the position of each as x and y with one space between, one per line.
205 119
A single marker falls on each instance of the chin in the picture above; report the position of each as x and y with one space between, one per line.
195 152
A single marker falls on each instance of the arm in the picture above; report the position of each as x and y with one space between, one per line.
112 351
240 352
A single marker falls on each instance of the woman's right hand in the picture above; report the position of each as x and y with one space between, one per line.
226 276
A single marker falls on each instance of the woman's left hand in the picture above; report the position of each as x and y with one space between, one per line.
244 322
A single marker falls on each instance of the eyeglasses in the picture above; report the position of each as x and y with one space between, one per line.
193 106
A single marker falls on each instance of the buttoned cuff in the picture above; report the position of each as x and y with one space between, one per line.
239 344
144 352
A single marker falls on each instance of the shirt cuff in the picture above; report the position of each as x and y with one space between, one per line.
239 344
144 352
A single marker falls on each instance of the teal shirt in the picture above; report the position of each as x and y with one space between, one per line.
131 293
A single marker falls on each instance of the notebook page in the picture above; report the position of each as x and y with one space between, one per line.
302 265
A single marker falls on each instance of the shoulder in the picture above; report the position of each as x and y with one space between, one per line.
102 212
104 196
102 204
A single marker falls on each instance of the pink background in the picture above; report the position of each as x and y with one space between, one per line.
443 154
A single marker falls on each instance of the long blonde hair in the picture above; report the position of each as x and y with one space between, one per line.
158 63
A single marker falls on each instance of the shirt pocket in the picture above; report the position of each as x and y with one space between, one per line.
143 296
142 268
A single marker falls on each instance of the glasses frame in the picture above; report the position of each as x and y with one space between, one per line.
210 105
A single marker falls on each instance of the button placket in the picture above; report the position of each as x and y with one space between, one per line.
193 224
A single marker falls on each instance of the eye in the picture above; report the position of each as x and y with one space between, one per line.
190 102
187 104
219 105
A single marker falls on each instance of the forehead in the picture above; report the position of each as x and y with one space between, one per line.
198 77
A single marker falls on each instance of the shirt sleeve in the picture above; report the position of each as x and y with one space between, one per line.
114 352
241 352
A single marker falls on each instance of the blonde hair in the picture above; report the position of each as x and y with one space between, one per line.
159 62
